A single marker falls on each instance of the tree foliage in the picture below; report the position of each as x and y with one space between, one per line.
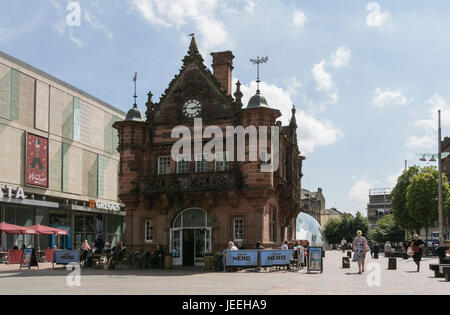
387 230
414 198
336 229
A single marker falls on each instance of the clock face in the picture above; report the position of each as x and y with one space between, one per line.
192 108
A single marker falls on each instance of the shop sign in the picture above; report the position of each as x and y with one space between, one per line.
276 257
241 258
7 192
104 205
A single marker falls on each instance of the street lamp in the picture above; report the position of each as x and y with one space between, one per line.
440 156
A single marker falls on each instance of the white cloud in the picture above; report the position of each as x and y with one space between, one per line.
377 18
424 142
360 191
436 102
299 19
323 79
312 132
388 97
178 13
341 58
94 23
392 179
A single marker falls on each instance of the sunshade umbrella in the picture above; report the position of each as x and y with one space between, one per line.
15 229
47 230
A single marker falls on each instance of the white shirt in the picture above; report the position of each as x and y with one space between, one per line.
343 242
284 247
233 248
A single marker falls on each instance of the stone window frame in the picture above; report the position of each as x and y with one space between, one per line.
185 165
201 166
233 228
272 224
152 225
167 167
224 165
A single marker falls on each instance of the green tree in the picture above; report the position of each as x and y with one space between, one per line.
398 200
386 229
332 231
336 229
421 197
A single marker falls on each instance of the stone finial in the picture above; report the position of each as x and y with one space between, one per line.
238 94
150 107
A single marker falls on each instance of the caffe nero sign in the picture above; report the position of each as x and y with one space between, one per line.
241 258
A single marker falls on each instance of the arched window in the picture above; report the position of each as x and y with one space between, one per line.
193 218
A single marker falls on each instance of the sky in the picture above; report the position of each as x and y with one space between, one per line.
367 78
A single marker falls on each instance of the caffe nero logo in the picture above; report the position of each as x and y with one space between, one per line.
242 258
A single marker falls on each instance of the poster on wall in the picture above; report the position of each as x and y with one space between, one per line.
36 160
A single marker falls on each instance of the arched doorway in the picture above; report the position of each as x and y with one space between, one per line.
190 237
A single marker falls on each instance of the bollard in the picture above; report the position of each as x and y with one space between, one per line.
405 256
375 255
345 262
349 254
392 263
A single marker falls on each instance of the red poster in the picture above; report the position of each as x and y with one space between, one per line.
37 160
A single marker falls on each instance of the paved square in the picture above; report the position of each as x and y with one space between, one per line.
333 280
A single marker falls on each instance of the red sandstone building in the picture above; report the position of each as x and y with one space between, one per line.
195 208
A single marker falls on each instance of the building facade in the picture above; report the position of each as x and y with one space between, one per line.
190 206
313 203
59 160
446 166
379 204
328 214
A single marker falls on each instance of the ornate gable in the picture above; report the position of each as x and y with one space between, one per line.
194 82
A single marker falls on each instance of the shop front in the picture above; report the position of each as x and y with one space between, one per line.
191 237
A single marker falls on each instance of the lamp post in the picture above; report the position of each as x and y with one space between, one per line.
440 156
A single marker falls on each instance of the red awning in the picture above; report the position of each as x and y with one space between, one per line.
47 230
15 229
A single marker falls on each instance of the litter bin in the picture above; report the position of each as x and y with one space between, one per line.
392 263
345 262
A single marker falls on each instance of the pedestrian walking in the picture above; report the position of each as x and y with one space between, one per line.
360 247
343 244
416 246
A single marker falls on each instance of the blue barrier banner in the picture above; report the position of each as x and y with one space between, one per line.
64 257
276 257
241 258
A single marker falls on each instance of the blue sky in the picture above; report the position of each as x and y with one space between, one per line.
366 77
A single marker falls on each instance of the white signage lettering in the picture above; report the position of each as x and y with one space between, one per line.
20 194
105 205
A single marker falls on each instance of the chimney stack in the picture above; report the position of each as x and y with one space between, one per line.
223 68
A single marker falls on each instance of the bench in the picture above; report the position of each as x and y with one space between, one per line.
435 268
445 269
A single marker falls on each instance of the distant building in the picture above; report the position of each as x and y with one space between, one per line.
313 203
379 204
328 214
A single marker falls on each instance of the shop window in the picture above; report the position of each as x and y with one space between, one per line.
238 229
148 231
164 165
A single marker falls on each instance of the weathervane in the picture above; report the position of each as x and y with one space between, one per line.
135 95
257 62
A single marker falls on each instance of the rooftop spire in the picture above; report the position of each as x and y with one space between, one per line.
193 53
135 95
257 62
